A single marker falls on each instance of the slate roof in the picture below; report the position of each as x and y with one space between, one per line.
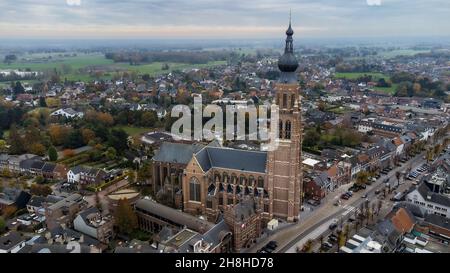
176 152
434 197
234 159
36 201
37 165
217 233
78 169
322 180
10 240
438 220
176 216
244 209
48 167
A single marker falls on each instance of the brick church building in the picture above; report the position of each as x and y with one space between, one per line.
216 177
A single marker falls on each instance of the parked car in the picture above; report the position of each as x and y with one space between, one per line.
272 245
327 245
332 226
332 239
313 202
364 195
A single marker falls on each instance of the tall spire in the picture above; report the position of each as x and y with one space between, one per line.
287 63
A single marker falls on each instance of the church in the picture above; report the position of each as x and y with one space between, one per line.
208 179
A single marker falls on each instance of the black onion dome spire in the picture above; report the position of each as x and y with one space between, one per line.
287 62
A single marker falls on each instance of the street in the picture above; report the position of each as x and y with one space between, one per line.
297 234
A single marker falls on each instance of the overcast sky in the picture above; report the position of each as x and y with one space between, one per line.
222 18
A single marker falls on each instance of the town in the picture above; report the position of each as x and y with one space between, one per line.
89 164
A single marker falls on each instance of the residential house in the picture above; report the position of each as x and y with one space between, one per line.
64 211
11 242
316 188
67 113
91 222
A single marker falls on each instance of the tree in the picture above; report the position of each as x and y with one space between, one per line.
58 133
165 66
126 219
75 139
68 153
18 88
15 141
149 119
119 140
397 175
9 58
111 153
52 153
40 190
307 247
131 177
362 178
88 135
429 155
2 225
9 211
42 102
144 173
37 149
39 179
2 145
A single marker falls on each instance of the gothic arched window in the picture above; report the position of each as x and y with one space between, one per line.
288 130
284 100
242 180
280 129
260 182
194 189
292 101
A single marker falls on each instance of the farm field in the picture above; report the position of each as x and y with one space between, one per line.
77 67
401 52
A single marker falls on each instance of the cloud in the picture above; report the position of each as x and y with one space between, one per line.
73 2
374 2
207 18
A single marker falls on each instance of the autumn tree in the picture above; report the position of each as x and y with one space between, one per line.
362 178
9 211
88 135
144 173
126 219
58 133
40 190
2 225
37 148
68 153
15 141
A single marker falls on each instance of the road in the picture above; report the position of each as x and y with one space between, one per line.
291 236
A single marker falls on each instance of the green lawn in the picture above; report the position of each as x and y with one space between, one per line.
134 131
375 77
355 75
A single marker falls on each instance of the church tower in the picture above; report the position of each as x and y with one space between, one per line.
284 163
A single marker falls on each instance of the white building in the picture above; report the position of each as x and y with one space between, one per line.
68 113
433 203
